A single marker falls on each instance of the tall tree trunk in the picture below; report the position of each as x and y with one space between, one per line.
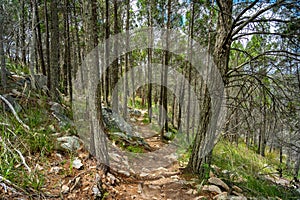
190 75
149 51
98 139
47 39
197 161
2 56
39 40
54 56
165 75
23 34
107 51
126 60
115 72
32 61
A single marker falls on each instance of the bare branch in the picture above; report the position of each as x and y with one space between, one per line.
14 112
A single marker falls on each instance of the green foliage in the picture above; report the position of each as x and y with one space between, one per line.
135 149
17 68
18 144
247 170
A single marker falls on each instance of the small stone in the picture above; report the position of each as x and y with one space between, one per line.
222 196
132 119
64 189
191 191
39 167
55 170
126 173
144 174
77 163
237 189
96 191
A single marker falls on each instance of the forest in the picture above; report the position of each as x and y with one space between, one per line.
150 99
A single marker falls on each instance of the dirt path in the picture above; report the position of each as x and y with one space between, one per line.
163 183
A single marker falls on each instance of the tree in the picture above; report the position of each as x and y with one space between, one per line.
54 48
2 56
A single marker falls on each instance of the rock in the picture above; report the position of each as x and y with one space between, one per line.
237 194
126 173
143 174
111 178
77 163
237 198
192 191
55 169
218 182
169 135
222 196
65 189
212 189
237 189
129 139
56 107
96 192
39 167
134 112
70 143
115 122
63 120
132 119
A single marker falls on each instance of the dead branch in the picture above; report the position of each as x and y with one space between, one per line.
14 112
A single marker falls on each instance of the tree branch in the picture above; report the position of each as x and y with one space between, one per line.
14 112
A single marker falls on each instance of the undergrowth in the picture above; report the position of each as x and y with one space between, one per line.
21 150
247 170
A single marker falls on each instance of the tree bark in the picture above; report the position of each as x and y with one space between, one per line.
2 56
54 56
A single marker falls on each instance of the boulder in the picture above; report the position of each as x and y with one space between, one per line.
211 189
114 122
56 107
70 143
218 182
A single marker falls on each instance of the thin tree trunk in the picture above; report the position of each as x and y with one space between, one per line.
32 61
39 40
126 60
23 34
115 72
2 56
190 75
150 62
47 45
107 51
